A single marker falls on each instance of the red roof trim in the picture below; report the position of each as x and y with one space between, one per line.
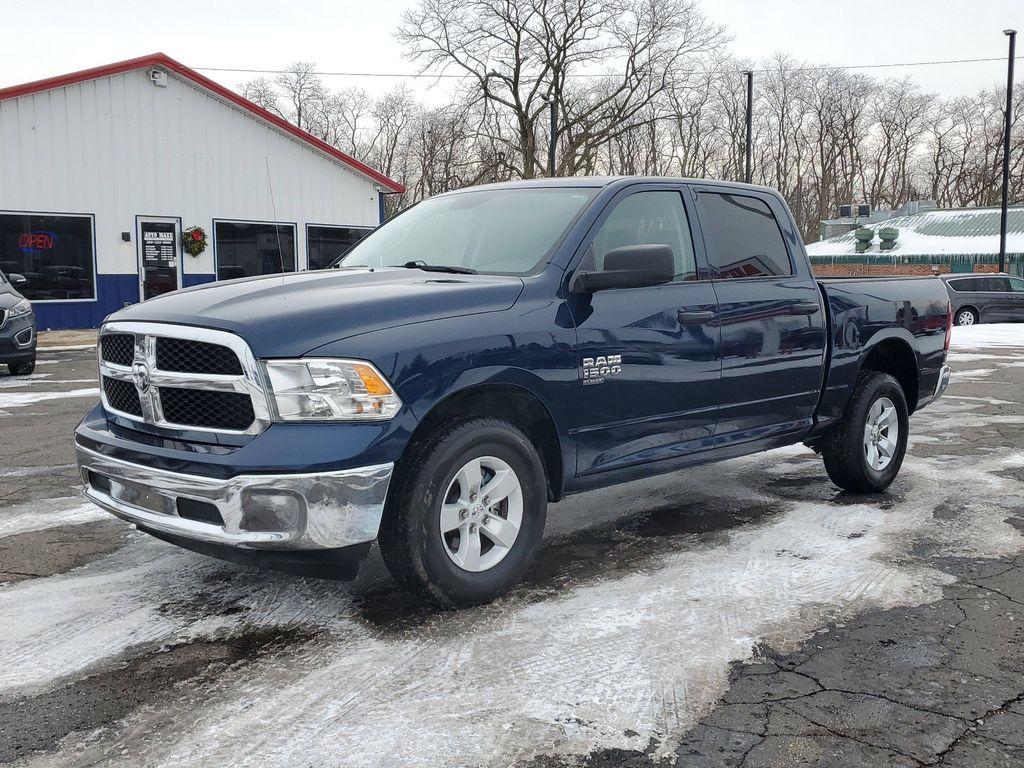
163 60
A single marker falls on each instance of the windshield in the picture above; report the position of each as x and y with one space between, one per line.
496 231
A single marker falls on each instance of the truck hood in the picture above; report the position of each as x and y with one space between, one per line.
289 315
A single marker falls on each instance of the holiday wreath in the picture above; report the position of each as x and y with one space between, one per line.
195 241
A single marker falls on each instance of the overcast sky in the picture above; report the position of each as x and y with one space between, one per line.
51 37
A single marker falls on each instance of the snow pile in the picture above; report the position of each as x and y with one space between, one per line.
987 335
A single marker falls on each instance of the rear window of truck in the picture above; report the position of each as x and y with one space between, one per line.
742 237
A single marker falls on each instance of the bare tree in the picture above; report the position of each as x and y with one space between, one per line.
263 93
642 88
302 91
518 55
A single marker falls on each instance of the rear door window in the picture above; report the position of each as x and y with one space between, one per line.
964 284
993 284
742 237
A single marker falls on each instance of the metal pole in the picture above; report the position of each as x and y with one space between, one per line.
748 173
1012 34
553 143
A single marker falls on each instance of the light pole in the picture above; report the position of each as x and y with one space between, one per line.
747 172
1012 34
553 138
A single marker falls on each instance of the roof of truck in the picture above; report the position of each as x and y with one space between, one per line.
605 181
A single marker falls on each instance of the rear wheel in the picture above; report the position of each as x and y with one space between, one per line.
864 452
22 368
465 515
966 316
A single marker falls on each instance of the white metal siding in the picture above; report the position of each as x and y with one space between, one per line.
120 146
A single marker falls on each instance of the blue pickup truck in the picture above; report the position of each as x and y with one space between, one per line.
489 351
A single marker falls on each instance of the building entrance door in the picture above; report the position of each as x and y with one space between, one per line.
159 241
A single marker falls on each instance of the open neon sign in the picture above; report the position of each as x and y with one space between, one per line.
36 241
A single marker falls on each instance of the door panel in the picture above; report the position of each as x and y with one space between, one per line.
1016 299
664 392
649 357
772 359
1000 298
772 318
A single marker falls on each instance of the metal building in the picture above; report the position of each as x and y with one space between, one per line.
927 242
129 180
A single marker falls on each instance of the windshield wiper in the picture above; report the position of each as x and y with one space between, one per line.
438 268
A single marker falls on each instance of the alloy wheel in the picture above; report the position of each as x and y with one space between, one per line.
881 434
481 514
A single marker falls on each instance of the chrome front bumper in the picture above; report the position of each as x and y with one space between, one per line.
325 510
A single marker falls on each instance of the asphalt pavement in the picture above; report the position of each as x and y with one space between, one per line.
745 613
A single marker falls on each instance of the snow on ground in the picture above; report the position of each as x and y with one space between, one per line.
22 381
973 373
21 399
610 662
18 382
48 513
987 335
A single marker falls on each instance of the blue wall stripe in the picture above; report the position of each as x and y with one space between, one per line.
112 293
187 281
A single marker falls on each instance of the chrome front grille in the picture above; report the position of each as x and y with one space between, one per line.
3 317
122 396
189 356
118 348
214 410
181 377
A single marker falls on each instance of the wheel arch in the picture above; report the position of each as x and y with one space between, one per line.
895 356
512 402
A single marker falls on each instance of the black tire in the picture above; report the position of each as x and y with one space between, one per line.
966 316
22 368
843 448
410 534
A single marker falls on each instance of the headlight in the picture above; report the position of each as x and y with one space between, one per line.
23 307
324 389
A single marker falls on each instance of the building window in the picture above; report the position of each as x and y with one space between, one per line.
324 244
742 237
53 251
248 248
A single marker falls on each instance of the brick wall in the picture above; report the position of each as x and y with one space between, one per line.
879 270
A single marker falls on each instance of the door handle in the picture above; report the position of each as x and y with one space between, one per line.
694 318
804 308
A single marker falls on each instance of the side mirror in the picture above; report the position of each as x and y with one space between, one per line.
631 266
17 280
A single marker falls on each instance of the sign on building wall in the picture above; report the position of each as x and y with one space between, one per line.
158 242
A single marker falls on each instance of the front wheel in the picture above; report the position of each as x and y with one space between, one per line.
22 368
465 514
864 451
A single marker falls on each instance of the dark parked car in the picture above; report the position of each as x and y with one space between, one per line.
488 351
17 327
985 298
